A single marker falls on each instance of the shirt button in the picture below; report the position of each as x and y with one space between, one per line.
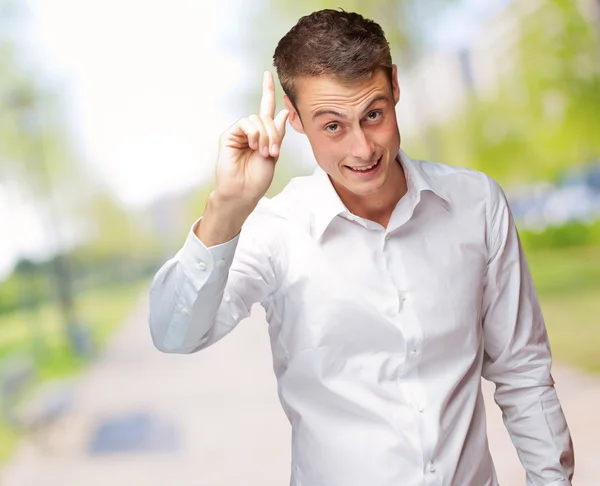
220 262
185 312
420 408
201 265
402 296
431 467
388 236
412 353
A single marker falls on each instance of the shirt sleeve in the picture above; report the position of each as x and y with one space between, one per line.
518 357
201 294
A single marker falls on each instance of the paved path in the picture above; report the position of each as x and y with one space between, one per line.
218 416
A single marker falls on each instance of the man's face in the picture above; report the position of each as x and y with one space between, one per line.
352 129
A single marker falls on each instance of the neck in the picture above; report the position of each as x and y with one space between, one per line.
378 207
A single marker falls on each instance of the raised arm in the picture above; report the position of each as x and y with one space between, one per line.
198 296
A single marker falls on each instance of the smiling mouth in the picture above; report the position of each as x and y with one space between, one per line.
365 168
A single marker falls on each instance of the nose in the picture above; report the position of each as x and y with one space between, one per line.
362 147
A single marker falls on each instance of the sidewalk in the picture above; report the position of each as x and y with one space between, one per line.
144 418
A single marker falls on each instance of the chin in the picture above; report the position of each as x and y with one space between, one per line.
366 191
367 188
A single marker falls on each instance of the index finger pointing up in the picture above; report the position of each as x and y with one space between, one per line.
267 102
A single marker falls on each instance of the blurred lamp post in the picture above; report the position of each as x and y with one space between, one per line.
25 104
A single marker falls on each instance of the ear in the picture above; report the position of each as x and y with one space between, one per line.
294 118
395 85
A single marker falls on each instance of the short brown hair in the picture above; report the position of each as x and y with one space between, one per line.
341 44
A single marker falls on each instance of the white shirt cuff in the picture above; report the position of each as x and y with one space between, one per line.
204 264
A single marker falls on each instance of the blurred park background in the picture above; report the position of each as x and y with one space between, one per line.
109 118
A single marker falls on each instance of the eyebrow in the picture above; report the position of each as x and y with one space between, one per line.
337 114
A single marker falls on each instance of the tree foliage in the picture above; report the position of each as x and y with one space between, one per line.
38 155
544 116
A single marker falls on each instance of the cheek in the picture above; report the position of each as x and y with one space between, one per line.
327 151
387 132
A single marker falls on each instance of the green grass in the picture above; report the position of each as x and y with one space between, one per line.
568 284
103 310
574 329
568 270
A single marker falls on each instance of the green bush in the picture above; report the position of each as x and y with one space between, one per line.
569 235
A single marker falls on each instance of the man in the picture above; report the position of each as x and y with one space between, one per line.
391 286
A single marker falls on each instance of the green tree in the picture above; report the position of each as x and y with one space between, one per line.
545 114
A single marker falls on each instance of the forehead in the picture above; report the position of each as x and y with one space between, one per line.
314 92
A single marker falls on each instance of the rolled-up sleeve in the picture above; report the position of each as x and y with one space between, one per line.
517 355
201 294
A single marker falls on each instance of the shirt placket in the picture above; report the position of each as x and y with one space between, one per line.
410 386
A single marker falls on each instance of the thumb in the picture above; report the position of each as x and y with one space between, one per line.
280 121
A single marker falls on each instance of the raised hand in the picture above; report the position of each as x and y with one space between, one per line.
249 149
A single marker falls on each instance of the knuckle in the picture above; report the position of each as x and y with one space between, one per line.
240 123
267 120
263 132
251 130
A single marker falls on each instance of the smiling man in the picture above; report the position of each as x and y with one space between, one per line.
391 285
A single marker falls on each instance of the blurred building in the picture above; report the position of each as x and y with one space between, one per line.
437 87
434 90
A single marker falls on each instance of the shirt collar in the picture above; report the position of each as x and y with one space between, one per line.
326 202
418 179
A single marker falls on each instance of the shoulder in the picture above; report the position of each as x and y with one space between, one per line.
289 208
453 178
462 184
291 203
474 195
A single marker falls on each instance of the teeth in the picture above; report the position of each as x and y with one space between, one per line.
365 168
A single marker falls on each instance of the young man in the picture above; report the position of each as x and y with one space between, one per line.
391 285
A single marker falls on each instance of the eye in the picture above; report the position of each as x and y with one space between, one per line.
374 115
332 128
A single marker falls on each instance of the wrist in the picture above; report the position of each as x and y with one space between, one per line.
223 219
232 204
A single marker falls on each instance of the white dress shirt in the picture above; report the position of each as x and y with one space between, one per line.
380 336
